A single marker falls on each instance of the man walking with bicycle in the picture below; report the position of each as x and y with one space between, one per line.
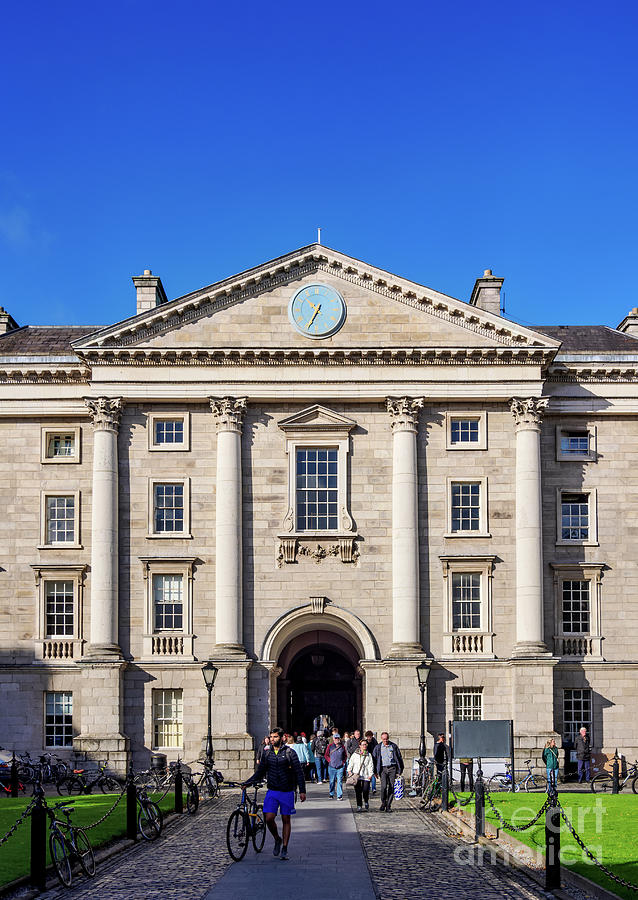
280 765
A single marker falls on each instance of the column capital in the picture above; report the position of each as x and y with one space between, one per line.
105 412
228 412
528 413
404 412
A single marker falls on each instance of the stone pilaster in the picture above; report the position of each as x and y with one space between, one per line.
404 414
104 639
228 412
528 414
100 703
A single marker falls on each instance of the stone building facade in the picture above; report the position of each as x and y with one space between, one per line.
317 475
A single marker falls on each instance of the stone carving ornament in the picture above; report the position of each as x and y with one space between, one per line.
228 412
528 412
105 412
404 412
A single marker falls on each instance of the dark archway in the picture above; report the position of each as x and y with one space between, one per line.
320 679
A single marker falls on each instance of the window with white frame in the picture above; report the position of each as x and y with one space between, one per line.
575 612
60 519
317 493
168 431
467 508
575 442
576 517
466 431
167 718
318 446
59 600
577 712
58 719
468 605
169 508
60 445
168 629
168 602
467 704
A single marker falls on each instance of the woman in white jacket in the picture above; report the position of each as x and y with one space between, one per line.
360 764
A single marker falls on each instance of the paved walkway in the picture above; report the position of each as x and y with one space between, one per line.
356 856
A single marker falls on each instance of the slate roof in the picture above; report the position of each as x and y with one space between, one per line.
43 340
589 338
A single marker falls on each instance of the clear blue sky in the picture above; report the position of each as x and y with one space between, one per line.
430 139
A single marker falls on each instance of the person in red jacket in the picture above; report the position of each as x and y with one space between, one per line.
336 757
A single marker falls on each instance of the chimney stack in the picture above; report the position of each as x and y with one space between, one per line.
7 322
487 293
150 291
630 323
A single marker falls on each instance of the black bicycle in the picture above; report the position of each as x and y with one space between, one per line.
208 781
150 820
603 783
82 782
245 823
68 842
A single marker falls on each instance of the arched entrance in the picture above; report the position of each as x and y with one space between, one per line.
322 678
317 655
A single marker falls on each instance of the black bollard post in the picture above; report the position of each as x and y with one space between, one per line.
179 796
552 842
615 784
39 840
131 808
479 803
14 776
445 788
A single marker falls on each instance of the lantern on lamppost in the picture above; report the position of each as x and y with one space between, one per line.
423 673
209 671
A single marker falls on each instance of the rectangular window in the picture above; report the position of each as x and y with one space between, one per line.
576 712
464 431
60 520
58 598
60 445
466 506
574 443
169 431
468 704
317 489
466 601
574 517
58 719
577 442
576 609
168 603
167 718
168 507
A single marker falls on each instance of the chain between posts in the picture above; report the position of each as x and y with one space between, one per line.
17 823
106 814
591 856
509 825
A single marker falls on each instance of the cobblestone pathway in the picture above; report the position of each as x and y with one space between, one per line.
407 855
183 864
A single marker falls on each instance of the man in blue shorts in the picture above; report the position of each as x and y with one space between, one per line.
282 769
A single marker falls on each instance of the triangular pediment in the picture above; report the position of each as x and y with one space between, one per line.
316 418
251 311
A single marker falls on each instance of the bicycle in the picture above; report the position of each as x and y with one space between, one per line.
209 781
604 781
502 781
244 823
67 842
150 820
421 780
81 782
433 792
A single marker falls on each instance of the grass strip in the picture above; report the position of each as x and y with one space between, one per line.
15 855
608 826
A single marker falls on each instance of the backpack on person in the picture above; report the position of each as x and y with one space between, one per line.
320 746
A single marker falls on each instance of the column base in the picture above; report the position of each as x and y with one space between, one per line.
530 650
226 651
401 650
109 652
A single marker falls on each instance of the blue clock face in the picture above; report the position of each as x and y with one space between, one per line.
317 311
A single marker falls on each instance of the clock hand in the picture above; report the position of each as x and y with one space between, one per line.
316 310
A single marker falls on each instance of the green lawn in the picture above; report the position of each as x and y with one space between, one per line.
15 854
607 824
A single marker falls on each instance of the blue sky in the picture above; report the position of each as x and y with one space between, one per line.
433 140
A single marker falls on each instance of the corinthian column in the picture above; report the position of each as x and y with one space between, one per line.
228 412
529 534
105 414
404 414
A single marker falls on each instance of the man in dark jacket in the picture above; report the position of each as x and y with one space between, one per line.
388 764
583 755
282 769
440 753
353 743
336 757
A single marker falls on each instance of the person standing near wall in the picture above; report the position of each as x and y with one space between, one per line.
583 755
388 763
550 758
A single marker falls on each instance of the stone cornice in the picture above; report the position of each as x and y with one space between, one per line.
598 373
290 356
308 261
28 374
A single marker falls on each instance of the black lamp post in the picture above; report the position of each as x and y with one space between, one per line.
209 671
423 672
